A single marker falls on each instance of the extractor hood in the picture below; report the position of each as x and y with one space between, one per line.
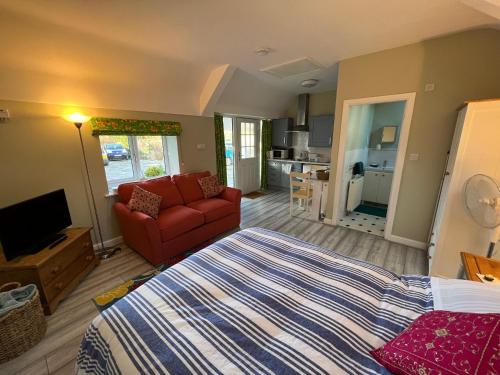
301 123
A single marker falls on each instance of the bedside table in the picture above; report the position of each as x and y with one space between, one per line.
477 264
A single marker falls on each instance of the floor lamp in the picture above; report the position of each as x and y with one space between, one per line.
78 120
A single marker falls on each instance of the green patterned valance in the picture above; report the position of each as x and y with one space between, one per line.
116 126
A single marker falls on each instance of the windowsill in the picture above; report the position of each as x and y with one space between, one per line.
111 194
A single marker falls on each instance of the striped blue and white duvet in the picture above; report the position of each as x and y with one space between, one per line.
256 302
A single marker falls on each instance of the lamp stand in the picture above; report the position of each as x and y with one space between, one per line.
104 254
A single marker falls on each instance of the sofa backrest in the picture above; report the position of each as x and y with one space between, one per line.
162 186
189 187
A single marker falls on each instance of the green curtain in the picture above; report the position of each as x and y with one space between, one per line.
116 126
266 146
220 148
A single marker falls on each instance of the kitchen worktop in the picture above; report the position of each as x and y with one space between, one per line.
380 169
300 161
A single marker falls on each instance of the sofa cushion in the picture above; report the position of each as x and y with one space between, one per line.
144 201
189 187
177 220
213 208
210 186
162 186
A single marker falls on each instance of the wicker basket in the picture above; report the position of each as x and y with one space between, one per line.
21 328
322 174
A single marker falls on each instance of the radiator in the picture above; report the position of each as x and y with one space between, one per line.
354 193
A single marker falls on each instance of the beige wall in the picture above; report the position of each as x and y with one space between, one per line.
321 103
462 66
40 152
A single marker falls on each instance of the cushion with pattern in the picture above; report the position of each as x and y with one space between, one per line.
145 202
210 186
445 342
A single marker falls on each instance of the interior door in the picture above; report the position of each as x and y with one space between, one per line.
247 141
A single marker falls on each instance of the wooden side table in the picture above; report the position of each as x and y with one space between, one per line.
477 264
57 271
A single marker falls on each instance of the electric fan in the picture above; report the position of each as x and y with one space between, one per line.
482 199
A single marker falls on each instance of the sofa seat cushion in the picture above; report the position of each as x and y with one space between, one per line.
213 208
177 220
189 187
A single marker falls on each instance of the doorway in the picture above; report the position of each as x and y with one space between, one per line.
242 143
372 147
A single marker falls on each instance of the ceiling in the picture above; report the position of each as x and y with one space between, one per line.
178 43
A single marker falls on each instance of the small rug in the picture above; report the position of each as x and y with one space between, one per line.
372 210
254 194
109 298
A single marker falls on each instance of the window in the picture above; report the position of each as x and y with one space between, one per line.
247 141
130 158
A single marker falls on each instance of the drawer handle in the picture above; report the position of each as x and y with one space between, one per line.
89 257
59 285
55 270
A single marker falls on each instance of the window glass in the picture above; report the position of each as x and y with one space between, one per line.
247 140
228 143
151 155
115 151
132 158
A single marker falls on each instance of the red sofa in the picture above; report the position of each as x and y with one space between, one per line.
186 218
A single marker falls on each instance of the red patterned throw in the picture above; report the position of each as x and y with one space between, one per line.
210 186
444 342
145 202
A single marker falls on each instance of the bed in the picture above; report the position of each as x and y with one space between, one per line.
256 302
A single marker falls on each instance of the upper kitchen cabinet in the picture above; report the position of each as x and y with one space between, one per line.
281 137
320 131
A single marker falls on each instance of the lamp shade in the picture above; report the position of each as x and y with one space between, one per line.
77 118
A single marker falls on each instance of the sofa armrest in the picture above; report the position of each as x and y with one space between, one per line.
139 231
232 195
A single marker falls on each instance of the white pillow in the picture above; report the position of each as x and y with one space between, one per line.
465 296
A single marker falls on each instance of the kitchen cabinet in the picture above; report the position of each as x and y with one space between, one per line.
278 173
320 131
377 186
280 136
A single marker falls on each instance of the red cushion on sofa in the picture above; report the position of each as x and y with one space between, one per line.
162 186
444 342
213 208
189 187
176 220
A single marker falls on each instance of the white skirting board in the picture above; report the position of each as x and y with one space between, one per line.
108 243
407 242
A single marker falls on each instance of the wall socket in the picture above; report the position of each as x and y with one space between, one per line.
200 146
429 87
414 157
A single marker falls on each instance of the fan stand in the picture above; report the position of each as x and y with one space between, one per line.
494 237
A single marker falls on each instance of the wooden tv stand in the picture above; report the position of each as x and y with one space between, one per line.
57 271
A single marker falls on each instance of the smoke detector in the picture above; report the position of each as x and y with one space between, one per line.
309 83
263 51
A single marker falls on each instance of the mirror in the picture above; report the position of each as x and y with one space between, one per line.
389 134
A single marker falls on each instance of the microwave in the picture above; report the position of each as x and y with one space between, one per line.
279 154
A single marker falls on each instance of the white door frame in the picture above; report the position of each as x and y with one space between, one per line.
400 156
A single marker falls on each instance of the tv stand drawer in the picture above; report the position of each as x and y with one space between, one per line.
56 272
59 263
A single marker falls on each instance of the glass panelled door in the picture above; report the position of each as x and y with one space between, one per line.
246 141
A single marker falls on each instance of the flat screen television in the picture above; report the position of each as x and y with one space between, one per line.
28 227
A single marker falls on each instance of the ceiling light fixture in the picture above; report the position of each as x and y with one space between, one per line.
263 51
309 83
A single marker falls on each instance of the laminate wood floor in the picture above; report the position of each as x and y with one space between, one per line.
56 353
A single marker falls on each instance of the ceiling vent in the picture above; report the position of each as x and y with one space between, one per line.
292 68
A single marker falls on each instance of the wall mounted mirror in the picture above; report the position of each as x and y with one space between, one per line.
389 134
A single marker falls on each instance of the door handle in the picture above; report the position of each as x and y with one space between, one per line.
284 140
330 141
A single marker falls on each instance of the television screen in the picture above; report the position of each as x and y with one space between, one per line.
29 226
